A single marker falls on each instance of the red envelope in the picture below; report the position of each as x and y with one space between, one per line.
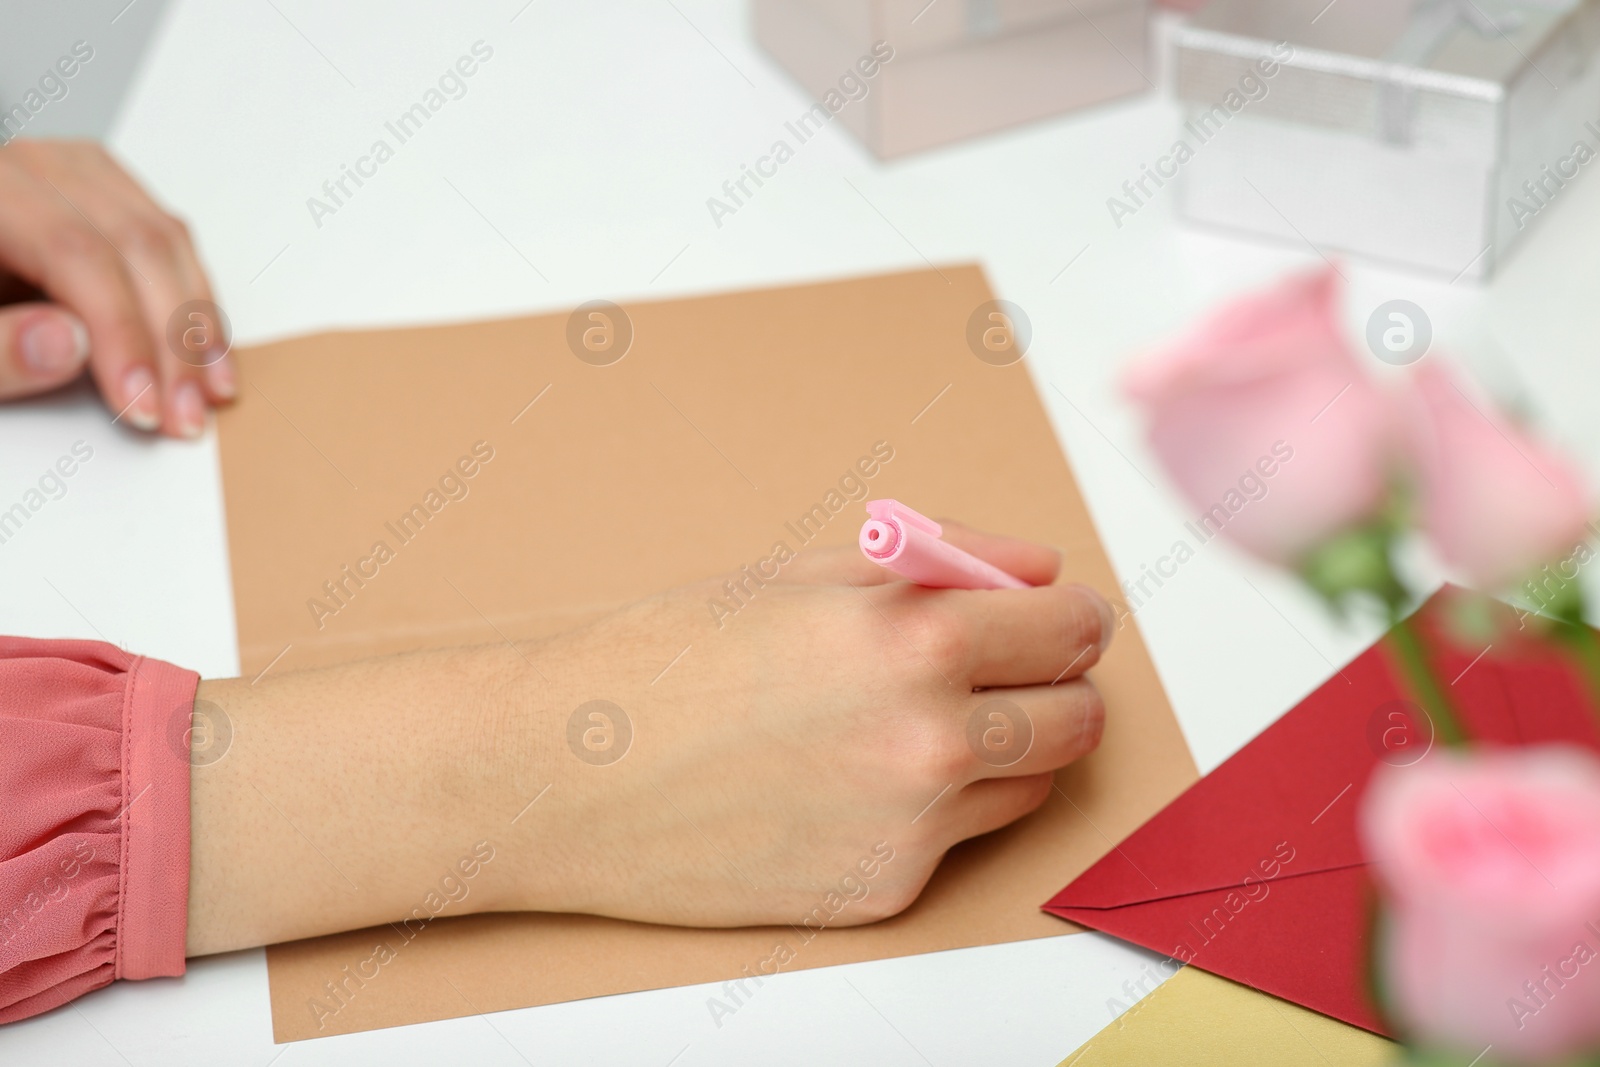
1256 873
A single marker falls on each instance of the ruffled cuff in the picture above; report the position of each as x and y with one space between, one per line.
94 819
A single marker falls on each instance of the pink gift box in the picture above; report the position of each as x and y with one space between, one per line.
907 75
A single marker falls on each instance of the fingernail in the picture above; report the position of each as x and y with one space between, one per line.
220 376
1108 617
139 394
188 408
53 343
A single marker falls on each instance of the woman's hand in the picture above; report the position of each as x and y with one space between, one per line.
92 270
829 734
833 715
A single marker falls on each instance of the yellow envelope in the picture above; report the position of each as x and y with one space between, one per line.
1196 1019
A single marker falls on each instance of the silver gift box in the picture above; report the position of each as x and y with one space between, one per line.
1432 134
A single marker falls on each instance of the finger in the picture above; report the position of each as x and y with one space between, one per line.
148 241
46 242
1030 636
1034 563
145 238
1014 733
42 347
986 806
199 339
213 331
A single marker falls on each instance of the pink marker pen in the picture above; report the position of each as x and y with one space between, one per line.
907 543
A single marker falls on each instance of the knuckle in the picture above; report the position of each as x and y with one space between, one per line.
934 831
944 637
1037 790
932 751
70 240
1091 719
949 758
83 149
146 235
885 902
1080 622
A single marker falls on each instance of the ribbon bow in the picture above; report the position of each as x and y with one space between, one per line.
1433 22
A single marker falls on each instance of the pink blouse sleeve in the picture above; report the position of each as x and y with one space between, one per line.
94 820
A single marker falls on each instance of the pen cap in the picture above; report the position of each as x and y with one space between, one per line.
909 544
880 539
889 526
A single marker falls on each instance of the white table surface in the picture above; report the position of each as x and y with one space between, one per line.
590 141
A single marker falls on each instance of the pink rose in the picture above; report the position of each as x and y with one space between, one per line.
1264 419
1495 503
1492 867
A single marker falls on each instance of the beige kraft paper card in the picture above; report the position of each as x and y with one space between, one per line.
729 423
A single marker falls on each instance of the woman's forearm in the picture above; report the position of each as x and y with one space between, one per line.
346 796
